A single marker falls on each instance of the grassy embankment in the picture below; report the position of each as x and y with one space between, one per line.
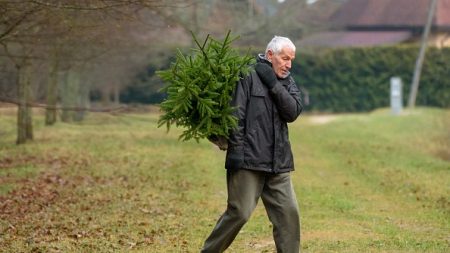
365 183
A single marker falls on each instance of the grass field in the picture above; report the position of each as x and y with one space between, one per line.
116 183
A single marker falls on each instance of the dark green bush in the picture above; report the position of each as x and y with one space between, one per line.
358 79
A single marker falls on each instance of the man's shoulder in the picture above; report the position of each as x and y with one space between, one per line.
251 79
255 85
250 76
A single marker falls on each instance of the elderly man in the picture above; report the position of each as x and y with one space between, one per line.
259 157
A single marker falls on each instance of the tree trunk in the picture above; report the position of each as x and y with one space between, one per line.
105 96
421 57
194 17
24 113
69 95
83 100
52 93
116 94
74 96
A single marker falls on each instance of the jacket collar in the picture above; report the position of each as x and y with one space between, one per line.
262 59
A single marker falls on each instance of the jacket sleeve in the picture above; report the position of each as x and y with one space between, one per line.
235 151
287 100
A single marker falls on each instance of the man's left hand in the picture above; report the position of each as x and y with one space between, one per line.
266 74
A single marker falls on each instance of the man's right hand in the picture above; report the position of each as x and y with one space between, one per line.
219 141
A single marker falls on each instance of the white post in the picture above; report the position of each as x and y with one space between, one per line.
396 95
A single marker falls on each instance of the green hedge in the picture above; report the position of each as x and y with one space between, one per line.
358 79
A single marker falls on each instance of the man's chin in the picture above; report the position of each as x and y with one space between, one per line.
283 75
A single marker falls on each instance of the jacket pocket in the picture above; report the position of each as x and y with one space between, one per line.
234 159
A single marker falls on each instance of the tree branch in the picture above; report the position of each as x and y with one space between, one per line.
17 23
74 108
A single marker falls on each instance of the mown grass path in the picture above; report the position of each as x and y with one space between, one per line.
365 183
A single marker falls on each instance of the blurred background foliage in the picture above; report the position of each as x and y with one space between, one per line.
357 79
115 47
81 54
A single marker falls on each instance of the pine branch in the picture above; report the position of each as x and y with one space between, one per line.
200 87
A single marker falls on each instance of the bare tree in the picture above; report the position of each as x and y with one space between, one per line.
99 44
66 36
15 37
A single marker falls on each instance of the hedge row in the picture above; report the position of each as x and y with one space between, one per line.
358 79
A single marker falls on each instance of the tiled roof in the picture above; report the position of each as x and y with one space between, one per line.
390 13
354 38
443 13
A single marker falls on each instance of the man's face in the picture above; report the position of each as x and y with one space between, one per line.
281 62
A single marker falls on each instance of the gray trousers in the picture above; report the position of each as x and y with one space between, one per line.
244 189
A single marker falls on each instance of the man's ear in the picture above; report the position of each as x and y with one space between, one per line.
269 55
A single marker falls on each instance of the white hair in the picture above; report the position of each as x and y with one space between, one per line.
278 43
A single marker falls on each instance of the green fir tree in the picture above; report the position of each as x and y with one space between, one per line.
199 88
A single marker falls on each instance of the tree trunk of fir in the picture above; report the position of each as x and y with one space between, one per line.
52 93
24 113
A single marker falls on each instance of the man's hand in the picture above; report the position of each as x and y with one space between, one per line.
266 74
219 141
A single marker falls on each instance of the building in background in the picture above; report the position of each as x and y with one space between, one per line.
383 22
